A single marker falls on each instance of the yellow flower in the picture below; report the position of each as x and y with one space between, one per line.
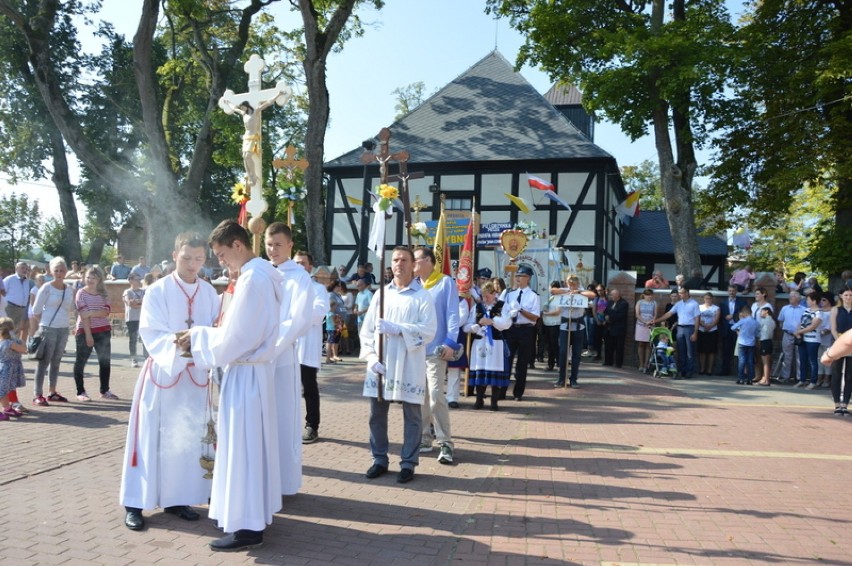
388 192
239 194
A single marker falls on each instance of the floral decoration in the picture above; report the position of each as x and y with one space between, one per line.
419 230
387 194
529 228
292 193
239 194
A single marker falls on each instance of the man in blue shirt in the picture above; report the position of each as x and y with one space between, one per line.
119 270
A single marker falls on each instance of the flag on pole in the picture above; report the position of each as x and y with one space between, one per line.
547 189
464 277
519 202
440 248
376 241
539 183
629 207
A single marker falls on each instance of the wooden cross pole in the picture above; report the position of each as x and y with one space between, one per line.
383 157
290 164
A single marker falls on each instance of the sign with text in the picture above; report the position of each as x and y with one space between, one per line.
489 234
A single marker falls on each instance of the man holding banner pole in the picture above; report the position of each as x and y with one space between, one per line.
571 332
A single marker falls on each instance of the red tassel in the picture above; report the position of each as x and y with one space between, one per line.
133 460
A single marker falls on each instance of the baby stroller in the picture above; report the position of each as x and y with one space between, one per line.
661 362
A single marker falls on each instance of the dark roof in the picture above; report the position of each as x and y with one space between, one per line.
488 113
564 95
649 233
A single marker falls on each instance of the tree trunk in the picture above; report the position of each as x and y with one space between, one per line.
62 181
318 44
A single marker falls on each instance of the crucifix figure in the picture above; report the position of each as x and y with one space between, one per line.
384 155
250 105
403 176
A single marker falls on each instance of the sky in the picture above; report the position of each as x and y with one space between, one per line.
431 41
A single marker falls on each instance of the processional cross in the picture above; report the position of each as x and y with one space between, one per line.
250 106
290 164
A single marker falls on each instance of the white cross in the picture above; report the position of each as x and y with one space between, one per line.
257 99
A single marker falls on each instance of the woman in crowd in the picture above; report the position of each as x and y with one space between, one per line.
708 334
52 314
808 335
838 355
599 306
499 288
826 338
93 331
551 315
132 297
646 312
486 324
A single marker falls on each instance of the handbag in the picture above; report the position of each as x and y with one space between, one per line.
35 343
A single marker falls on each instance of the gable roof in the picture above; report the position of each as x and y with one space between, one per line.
649 233
564 95
488 113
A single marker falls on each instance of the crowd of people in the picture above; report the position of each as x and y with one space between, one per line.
262 341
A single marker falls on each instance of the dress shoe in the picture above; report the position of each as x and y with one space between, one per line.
559 384
134 520
453 405
375 471
405 475
185 512
239 540
478 403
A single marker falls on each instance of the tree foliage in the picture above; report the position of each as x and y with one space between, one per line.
789 127
19 227
645 65
408 98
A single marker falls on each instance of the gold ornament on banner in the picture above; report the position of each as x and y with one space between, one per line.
514 243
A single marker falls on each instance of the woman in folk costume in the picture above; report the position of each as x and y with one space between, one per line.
486 324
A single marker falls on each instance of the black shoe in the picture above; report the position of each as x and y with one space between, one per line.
375 471
519 398
559 384
479 403
405 475
494 406
240 540
185 512
573 385
453 405
134 520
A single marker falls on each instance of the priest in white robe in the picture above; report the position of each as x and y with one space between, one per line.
296 300
169 415
408 324
246 489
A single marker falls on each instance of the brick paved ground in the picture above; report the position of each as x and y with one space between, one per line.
625 470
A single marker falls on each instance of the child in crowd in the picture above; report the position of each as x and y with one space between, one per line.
747 329
11 367
767 331
133 296
665 355
332 320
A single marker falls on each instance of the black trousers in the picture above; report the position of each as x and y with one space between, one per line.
551 335
614 349
521 343
311 393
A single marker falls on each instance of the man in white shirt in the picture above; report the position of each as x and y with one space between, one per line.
789 319
688 313
524 308
18 287
408 325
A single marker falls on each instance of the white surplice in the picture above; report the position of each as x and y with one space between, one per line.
410 308
310 345
168 416
246 488
297 298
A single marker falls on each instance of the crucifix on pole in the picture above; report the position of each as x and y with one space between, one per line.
290 164
403 176
250 106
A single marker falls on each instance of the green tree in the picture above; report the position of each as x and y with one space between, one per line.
641 64
32 144
644 178
408 98
19 227
325 29
789 128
